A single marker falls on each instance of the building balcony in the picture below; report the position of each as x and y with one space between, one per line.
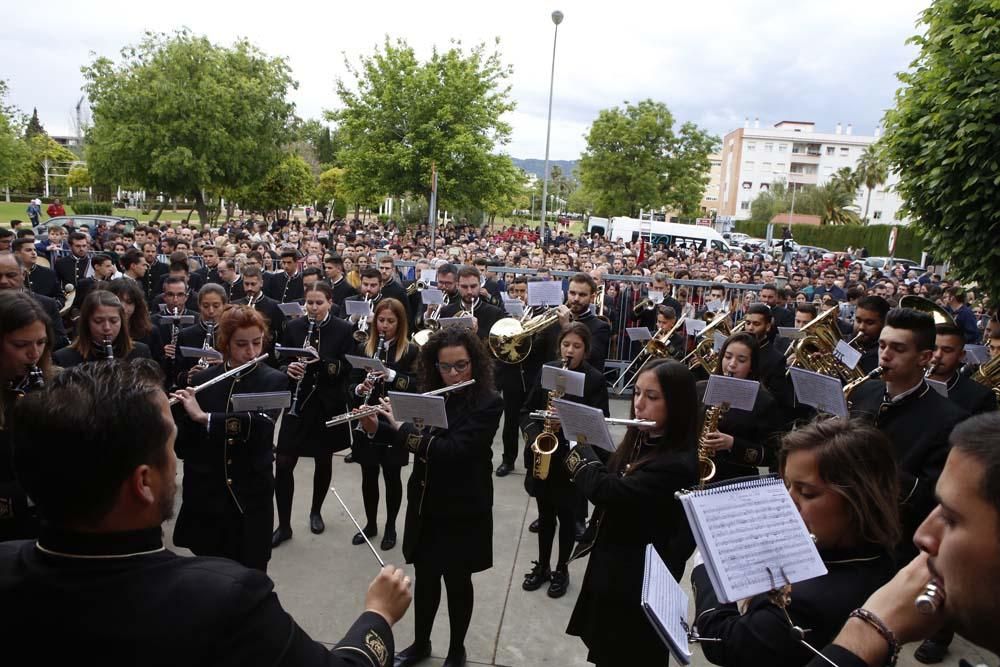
802 179
804 158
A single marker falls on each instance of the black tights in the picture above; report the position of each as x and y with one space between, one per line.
427 597
284 485
370 494
548 512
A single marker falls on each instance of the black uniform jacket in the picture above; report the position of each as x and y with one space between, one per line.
762 635
371 451
190 336
393 290
486 315
69 357
450 491
341 290
42 280
267 307
228 464
633 510
142 604
754 436
918 427
51 307
773 374
595 395
971 396
71 269
600 336
283 288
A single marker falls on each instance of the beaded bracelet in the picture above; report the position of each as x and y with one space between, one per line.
877 623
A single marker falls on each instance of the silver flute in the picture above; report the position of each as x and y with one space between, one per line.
367 410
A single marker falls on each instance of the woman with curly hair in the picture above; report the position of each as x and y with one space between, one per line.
449 515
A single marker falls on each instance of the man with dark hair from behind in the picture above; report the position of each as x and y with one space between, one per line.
95 451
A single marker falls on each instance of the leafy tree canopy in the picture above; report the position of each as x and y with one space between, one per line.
943 133
34 126
400 116
635 159
288 183
14 154
180 115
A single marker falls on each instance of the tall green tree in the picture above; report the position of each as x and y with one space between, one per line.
180 115
288 183
635 159
942 137
833 203
34 126
14 153
399 116
872 172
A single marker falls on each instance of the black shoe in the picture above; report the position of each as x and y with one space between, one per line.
581 529
539 575
389 541
359 539
349 457
280 535
456 659
505 469
559 583
931 652
534 526
411 655
316 524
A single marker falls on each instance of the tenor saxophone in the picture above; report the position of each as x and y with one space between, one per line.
706 456
547 442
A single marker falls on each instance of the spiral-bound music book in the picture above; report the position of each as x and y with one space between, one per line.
665 604
751 537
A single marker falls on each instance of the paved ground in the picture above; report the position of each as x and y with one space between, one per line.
321 580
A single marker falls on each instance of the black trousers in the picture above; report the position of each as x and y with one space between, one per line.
514 394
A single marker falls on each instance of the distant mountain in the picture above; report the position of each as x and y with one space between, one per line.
537 167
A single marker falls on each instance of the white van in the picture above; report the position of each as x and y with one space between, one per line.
598 225
671 233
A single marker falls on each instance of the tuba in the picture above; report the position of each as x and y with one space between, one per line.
989 374
814 351
706 457
940 315
547 441
510 340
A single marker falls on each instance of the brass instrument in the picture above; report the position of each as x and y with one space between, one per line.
220 378
814 351
361 335
851 386
642 306
940 315
510 341
547 441
367 410
306 344
706 457
657 347
704 352
988 374
432 324
416 286
600 304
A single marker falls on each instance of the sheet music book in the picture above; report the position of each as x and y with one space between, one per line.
563 380
846 354
461 322
429 276
693 326
583 424
179 320
665 604
791 333
268 401
976 354
513 307
418 409
938 386
718 340
300 352
751 536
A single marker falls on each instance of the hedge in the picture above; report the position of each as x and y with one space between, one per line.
91 207
838 237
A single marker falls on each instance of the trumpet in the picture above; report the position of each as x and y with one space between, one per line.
361 335
368 410
416 286
220 378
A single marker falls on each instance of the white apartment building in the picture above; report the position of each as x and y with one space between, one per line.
793 152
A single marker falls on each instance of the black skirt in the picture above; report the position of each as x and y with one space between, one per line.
307 434
448 544
374 452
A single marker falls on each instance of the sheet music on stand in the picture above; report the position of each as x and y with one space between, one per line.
745 558
822 392
291 309
665 604
514 307
432 296
545 293
267 401
200 352
368 363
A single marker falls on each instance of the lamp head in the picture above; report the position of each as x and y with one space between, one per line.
557 17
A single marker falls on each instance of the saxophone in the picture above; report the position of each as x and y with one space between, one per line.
547 441
706 457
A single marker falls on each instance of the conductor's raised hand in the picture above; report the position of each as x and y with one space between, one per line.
389 594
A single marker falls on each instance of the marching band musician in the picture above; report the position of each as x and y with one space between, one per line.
102 333
469 287
371 291
771 367
634 497
916 419
391 343
842 478
449 511
140 327
253 288
446 281
318 393
12 279
555 496
333 268
743 440
175 298
286 285
666 319
579 296
212 301
25 364
869 319
227 509
949 352
391 287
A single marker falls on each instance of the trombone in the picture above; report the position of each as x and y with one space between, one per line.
367 410
510 340
658 347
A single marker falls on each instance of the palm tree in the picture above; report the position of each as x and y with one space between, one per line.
872 172
834 204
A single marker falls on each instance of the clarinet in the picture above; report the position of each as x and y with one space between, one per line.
379 351
208 344
109 350
298 384
32 381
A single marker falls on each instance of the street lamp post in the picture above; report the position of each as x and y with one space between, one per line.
557 17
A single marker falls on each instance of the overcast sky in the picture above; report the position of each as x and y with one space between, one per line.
713 63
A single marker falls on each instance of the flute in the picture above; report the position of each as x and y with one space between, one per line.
610 421
367 410
220 378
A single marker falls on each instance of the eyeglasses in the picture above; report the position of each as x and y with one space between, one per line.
457 367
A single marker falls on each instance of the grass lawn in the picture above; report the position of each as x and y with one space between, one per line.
18 211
